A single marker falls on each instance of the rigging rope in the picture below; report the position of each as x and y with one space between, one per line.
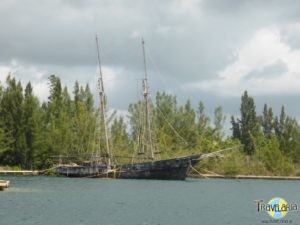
170 125
217 153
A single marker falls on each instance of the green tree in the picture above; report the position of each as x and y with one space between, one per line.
205 133
11 112
288 134
88 98
120 139
83 121
267 121
165 118
279 124
186 125
55 97
235 127
219 121
273 159
2 140
249 123
135 119
31 123
57 122
203 121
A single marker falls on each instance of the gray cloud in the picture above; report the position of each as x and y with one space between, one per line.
270 71
186 41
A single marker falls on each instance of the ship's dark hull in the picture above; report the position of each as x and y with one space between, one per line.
169 169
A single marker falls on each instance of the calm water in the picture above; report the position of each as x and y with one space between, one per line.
65 201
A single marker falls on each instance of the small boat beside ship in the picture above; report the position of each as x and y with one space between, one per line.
4 184
148 167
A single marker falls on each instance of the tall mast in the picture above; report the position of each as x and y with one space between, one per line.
149 144
103 104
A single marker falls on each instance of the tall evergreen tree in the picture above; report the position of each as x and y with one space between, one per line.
165 119
235 127
219 121
135 119
186 125
267 121
203 121
55 98
12 116
206 140
76 92
279 123
249 123
88 98
119 138
84 120
30 122
57 133
2 142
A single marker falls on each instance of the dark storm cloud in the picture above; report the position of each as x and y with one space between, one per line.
184 44
186 41
62 32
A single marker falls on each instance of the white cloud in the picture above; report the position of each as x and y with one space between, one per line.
39 77
291 33
135 34
265 49
4 71
41 89
163 30
116 79
186 7
110 78
24 70
25 73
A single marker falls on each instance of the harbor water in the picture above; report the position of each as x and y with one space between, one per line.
67 201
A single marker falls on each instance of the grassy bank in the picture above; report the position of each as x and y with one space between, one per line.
238 163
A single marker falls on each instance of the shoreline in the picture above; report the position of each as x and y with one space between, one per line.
244 177
20 172
203 176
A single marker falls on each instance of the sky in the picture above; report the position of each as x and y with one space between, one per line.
202 50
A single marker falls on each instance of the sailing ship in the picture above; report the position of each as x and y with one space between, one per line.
149 168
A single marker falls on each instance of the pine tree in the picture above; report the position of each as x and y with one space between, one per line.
186 125
249 123
55 97
279 124
12 116
120 138
88 98
30 122
135 119
235 127
84 120
219 121
77 97
267 121
164 120
203 121
205 133
56 134
2 140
